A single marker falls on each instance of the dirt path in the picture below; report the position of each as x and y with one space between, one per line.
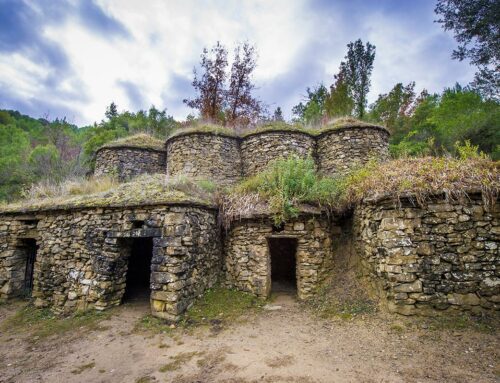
284 344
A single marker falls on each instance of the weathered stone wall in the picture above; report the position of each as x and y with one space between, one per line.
248 260
204 156
82 256
127 162
340 149
444 256
257 150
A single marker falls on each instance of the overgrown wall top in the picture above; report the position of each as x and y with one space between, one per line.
257 150
204 156
442 256
340 149
127 162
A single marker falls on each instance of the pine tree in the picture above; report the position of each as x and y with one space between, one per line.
356 71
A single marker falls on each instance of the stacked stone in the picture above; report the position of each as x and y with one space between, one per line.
127 162
83 254
259 149
338 150
247 258
208 156
443 256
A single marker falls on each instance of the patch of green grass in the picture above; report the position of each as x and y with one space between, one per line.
216 307
82 368
154 325
488 323
42 323
220 304
145 379
140 140
178 360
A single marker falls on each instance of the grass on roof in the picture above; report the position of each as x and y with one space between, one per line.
289 183
204 128
103 192
140 140
344 122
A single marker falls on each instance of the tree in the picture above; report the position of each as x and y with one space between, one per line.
243 108
278 114
356 71
339 103
111 111
476 27
210 100
313 110
394 108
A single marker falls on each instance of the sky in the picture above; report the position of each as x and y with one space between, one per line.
72 58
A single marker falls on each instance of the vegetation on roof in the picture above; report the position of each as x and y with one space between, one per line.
204 128
140 140
278 126
345 122
106 192
289 183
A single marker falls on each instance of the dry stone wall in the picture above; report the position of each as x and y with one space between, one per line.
204 156
257 150
82 256
443 256
127 162
247 258
340 149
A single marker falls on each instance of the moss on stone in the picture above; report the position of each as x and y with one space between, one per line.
141 140
279 127
345 123
144 190
217 130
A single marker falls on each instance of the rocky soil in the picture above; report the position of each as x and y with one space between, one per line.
284 343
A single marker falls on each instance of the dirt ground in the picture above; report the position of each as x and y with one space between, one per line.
284 343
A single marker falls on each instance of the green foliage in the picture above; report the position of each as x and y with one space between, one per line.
287 183
221 304
469 151
436 122
313 110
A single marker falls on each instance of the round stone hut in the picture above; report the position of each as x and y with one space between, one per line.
129 157
340 147
212 154
260 147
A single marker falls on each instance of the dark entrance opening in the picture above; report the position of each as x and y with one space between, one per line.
283 264
29 247
137 287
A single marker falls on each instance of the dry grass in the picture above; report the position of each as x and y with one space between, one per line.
422 178
140 140
417 179
143 190
69 187
204 128
344 122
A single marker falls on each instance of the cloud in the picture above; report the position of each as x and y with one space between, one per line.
82 55
133 93
98 21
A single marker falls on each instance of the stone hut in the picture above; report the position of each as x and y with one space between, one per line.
129 157
149 237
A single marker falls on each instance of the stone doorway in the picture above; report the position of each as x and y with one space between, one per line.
283 253
137 286
30 249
